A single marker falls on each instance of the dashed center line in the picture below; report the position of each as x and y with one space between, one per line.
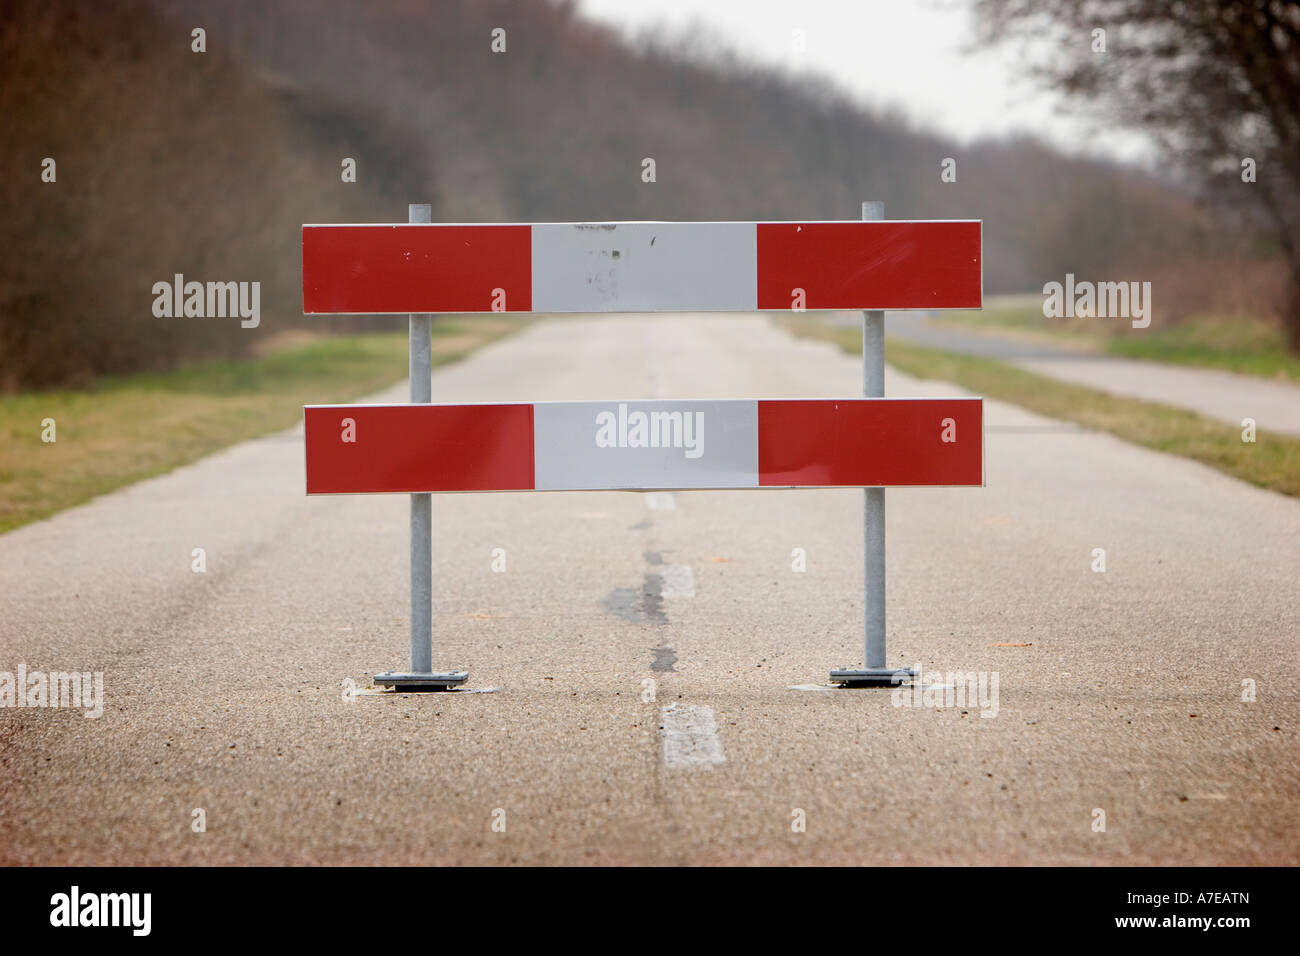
690 734
678 582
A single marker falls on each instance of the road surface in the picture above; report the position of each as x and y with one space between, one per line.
225 690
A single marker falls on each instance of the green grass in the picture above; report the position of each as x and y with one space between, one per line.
1244 344
1238 344
126 429
1272 461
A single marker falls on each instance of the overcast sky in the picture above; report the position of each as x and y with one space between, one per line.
903 53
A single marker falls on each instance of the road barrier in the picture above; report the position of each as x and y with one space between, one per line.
872 442
641 267
643 445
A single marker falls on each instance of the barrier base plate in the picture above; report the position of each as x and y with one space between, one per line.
430 681
872 676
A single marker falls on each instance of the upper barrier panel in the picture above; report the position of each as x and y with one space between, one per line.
641 267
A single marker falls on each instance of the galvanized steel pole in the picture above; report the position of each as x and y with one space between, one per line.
421 367
421 675
873 503
874 671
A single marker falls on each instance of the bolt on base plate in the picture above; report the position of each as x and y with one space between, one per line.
415 682
872 676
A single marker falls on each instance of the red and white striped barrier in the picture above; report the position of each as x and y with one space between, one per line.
641 267
644 445
423 268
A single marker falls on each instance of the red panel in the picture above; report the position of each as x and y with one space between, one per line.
873 441
410 448
870 265
366 269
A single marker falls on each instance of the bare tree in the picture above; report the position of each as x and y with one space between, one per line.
1215 82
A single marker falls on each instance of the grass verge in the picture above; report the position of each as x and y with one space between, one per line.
127 429
1272 461
1241 344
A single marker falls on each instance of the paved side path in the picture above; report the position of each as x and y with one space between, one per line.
1224 396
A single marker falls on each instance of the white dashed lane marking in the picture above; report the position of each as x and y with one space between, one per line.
690 734
678 582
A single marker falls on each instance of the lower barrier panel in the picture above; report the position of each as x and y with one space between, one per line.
645 445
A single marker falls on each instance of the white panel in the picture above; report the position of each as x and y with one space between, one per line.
646 444
645 267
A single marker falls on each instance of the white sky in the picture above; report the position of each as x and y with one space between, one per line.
901 53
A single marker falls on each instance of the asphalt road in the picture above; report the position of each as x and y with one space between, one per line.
225 689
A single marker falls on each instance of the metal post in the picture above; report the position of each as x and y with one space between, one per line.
873 503
874 671
421 676
421 365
